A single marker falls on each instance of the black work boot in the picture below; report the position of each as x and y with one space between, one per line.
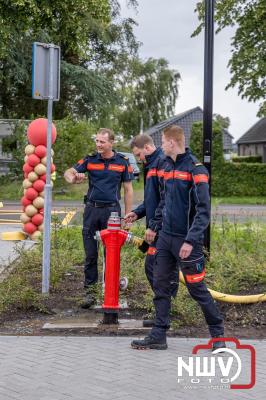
89 300
220 344
149 343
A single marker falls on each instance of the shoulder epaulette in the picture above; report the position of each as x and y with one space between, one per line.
123 156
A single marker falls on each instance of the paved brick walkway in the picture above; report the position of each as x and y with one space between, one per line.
82 368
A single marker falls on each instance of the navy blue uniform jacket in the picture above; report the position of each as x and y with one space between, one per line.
105 176
153 169
185 209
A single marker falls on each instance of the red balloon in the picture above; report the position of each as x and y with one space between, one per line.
43 178
31 194
40 151
27 168
29 227
52 168
25 175
37 132
39 185
33 160
41 211
25 202
37 219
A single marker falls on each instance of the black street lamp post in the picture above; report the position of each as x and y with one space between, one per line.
208 96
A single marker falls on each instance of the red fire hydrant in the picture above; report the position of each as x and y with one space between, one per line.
113 239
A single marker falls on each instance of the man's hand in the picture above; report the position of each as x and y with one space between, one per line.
185 250
130 217
149 236
79 177
72 176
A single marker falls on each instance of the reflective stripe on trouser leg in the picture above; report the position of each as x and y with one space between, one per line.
194 273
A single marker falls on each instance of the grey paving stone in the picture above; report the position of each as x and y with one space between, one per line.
99 368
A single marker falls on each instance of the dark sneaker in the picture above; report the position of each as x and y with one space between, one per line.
220 344
88 301
148 323
149 343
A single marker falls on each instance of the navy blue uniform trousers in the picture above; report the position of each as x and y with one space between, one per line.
166 258
94 219
149 270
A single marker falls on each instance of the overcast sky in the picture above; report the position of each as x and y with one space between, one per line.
164 28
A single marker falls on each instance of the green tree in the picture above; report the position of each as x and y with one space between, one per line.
223 121
92 37
149 91
196 143
248 62
15 144
74 140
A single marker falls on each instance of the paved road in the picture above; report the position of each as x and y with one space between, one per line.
12 209
82 368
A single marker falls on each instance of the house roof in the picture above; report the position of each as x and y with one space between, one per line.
173 120
185 120
255 134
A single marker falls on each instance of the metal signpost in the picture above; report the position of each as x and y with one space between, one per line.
46 86
208 97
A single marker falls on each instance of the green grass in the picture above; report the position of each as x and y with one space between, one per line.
247 200
22 289
61 190
10 190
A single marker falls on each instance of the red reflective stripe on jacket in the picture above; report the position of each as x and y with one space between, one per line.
196 278
151 251
168 175
80 161
116 167
96 167
130 169
201 178
160 173
183 175
152 172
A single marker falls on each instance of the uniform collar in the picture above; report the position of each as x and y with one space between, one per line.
180 157
151 157
99 157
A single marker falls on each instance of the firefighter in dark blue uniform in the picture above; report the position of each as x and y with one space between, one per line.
144 149
106 170
181 219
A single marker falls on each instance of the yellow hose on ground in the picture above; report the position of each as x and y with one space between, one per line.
232 298
226 298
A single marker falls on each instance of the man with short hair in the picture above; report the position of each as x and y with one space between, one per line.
106 170
153 158
144 150
181 220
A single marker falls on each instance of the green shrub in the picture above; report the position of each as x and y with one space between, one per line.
196 141
229 179
239 179
247 159
74 141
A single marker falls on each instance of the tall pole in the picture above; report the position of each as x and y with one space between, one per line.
48 186
208 97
